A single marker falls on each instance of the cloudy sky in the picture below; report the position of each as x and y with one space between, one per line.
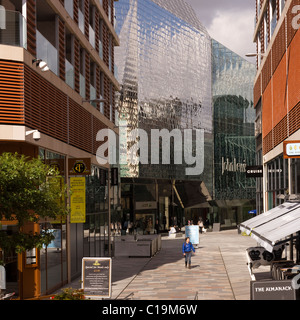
230 22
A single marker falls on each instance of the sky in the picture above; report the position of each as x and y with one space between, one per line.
230 22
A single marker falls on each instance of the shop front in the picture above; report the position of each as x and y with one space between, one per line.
60 261
277 233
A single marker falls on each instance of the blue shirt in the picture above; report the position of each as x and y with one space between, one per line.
187 247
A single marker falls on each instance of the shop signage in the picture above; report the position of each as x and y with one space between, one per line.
291 149
96 277
78 210
272 290
254 171
31 258
79 167
144 205
233 166
58 164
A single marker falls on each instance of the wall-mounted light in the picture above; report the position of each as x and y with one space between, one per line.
41 64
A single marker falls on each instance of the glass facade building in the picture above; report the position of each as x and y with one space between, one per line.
234 135
164 68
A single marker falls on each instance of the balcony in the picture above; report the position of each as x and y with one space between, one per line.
273 24
70 74
69 6
13 30
81 21
46 52
82 85
92 36
100 49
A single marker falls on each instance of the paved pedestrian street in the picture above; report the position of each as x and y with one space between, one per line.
219 271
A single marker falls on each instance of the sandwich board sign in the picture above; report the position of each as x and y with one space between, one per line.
96 277
272 290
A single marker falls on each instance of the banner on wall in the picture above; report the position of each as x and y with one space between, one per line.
78 209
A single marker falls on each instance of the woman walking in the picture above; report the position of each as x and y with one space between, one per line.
187 249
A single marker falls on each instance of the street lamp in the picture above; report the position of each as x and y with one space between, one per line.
251 55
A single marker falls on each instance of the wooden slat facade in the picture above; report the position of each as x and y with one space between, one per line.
11 92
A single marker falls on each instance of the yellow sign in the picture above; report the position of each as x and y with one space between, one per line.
78 209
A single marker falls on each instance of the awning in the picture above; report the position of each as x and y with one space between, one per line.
274 225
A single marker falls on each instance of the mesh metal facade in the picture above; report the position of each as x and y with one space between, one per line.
234 118
164 67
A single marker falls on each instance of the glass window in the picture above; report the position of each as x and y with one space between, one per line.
54 256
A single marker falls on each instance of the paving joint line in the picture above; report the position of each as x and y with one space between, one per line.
136 275
227 273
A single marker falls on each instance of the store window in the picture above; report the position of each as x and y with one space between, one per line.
95 229
54 256
277 181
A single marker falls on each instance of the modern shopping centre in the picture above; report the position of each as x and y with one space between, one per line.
174 76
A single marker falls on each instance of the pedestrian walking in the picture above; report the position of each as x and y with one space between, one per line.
187 249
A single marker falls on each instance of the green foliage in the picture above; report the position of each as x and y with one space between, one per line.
70 294
29 190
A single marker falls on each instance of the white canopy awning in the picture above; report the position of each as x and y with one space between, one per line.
274 225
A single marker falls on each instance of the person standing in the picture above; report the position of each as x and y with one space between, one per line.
187 249
200 224
157 226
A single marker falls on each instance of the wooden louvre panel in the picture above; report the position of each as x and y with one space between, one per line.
267 143
105 44
266 72
11 92
257 91
294 119
98 84
278 48
45 106
80 127
106 97
62 49
86 18
97 30
87 75
76 65
280 132
31 26
75 10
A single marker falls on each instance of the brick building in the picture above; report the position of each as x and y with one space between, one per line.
276 98
57 76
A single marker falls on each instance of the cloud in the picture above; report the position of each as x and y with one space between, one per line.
234 29
230 22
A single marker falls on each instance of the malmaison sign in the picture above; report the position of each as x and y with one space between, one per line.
233 166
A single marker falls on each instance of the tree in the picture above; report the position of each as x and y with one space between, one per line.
28 191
